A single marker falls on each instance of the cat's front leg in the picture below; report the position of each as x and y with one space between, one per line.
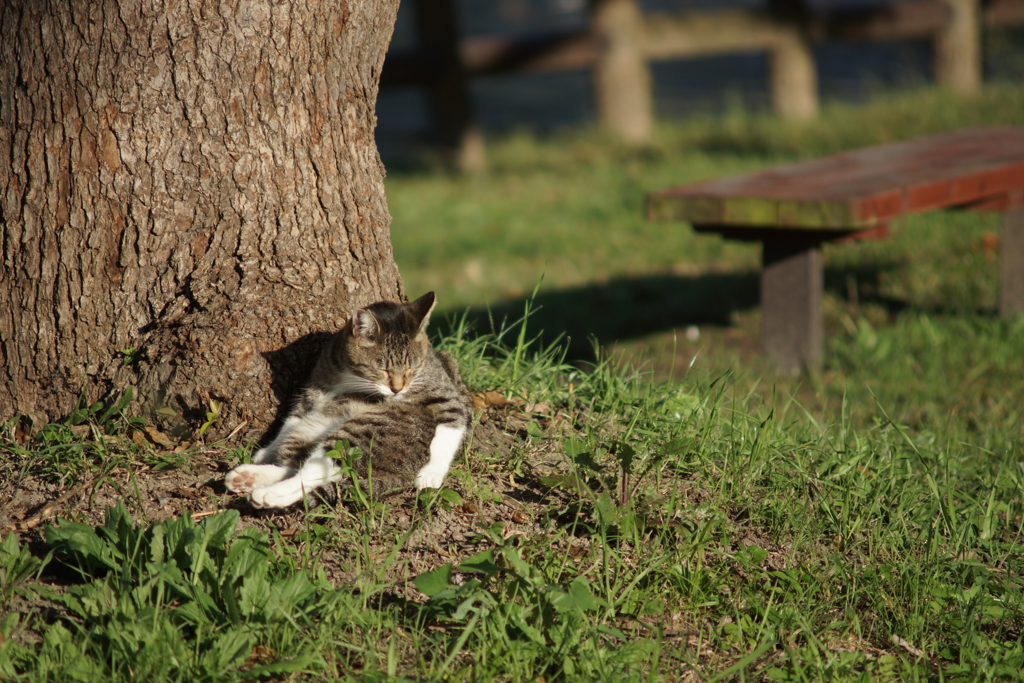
317 471
245 478
269 452
298 435
443 448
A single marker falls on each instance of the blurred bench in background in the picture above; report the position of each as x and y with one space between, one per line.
620 42
793 209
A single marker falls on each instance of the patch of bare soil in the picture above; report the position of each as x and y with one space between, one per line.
514 472
31 498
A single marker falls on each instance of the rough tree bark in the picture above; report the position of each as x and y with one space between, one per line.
196 179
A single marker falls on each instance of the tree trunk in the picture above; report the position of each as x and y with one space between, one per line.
197 180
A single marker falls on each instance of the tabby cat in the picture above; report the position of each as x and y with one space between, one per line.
381 385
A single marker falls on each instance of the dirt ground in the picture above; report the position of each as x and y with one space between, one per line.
514 472
492 486
489 492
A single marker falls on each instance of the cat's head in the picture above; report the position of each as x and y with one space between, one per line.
386 343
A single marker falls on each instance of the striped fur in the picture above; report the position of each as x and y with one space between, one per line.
381 385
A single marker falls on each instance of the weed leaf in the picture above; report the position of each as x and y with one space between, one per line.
582 595
482 562
432 583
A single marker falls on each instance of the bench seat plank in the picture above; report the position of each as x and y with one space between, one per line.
858 189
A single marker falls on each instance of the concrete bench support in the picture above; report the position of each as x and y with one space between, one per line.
1011 292
791 291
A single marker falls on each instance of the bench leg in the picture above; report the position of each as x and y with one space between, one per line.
1011 291
791 291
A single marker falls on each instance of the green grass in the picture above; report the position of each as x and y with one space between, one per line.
569 208
683 528
669 510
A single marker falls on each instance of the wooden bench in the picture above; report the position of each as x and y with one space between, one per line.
793 209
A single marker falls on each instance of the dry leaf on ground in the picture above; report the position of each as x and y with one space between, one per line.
158 437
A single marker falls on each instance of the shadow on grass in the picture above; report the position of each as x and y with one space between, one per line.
619 309
633 307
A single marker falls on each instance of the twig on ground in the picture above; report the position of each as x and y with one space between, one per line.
896 640
236 429
50 508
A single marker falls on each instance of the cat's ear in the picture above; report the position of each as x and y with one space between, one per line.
421 309
365 326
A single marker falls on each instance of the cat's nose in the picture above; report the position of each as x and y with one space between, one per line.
397 382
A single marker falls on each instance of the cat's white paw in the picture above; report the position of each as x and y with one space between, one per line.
430 478
279 495
442 451
245 478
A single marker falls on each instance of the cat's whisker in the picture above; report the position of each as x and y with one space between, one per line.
353 384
